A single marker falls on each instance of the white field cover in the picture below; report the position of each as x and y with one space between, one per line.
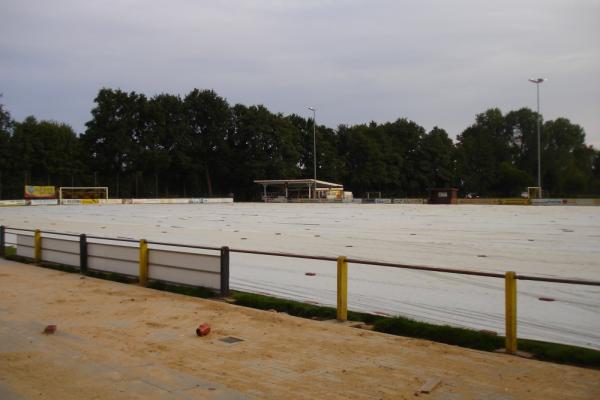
542 241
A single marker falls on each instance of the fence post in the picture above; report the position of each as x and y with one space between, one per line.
510 287
83 258
342 289
143 262
2 241
224 271
37 240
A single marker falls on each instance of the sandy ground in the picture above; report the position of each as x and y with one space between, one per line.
543 241
126 342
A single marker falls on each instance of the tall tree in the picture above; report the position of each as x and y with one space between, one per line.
437 159
5 165
113 136
481 149
208 118
566 161
47 151
263 145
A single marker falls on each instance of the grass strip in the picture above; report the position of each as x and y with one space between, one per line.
194 291
401 326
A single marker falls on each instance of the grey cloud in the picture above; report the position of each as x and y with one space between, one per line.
436 62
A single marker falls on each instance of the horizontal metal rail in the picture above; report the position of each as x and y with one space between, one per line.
425 268
46 232
557 280
288 255
113 239
349 260
190 246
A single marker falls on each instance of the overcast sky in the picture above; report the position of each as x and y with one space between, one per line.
434 62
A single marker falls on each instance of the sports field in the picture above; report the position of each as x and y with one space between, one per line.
545 241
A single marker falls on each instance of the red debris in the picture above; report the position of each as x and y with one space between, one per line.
203 329
50 329
310 274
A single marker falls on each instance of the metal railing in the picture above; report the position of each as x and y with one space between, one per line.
143 259
510 277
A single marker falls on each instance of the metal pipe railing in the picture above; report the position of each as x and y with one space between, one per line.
510 277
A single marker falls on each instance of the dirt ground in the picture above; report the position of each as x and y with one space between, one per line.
122 341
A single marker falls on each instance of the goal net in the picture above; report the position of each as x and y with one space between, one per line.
81 193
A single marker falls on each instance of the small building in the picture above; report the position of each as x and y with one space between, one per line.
284 190
442 196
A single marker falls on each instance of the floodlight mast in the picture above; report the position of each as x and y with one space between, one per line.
537 82
314 110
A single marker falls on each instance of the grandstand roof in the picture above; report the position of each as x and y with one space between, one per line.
299 182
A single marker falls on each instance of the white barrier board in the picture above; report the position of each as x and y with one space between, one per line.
112 258
185 268
60 251
44 202
11 203
25 244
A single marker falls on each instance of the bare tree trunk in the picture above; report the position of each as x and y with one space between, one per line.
208 182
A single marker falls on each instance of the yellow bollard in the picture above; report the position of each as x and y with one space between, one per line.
510 288
143 262
37 240
342 289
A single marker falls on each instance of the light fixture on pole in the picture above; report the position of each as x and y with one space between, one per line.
314 146
537 82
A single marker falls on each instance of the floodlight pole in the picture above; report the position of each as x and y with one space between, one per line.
314 147
537 82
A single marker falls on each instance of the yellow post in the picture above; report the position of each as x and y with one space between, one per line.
342 289
510 288
143 262
37 240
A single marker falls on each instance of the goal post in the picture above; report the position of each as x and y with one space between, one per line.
82 193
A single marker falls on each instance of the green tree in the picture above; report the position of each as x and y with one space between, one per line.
113 138
6 169
162 146
437 159
521 129
208 118
263 145
481 149
47 151
566 161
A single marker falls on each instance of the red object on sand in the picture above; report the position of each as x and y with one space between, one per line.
50 329
203 329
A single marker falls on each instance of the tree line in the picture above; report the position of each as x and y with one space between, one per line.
199 145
